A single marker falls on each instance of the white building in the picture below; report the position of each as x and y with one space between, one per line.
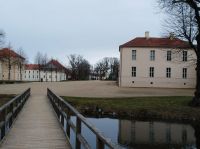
157 62
11 65
53 71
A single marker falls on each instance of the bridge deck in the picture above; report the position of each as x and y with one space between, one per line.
36 127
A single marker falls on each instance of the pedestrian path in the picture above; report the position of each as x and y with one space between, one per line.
36 127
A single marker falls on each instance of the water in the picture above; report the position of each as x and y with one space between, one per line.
143 134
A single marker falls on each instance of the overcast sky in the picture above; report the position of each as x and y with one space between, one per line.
91 28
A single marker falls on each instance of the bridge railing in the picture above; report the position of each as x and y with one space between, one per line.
64 111
10 110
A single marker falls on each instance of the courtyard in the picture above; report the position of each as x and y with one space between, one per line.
92 89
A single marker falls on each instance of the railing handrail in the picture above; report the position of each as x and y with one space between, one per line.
10 110
97 132
12 100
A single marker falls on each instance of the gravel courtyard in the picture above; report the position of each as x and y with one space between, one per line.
91 89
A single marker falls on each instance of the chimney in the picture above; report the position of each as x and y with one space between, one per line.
171 36
147 34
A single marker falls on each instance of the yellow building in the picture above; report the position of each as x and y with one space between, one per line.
11 65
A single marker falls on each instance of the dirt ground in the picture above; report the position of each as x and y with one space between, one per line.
91 89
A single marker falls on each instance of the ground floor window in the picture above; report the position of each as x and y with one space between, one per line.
184 73
168 72
133 71
151 72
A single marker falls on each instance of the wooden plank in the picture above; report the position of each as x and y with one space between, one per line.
36 127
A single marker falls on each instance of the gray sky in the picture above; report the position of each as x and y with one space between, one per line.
91 28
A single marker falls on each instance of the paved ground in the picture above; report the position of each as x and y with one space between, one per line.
36 127
93 89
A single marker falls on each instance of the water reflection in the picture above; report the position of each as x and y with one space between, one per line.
139 134
143 135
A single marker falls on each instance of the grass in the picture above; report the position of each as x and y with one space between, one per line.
173 107
5 98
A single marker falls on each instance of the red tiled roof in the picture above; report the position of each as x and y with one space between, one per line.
7 52
31 66
157 43
57 64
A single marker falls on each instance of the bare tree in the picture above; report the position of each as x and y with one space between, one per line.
107 67
20 63
39 61
184 22
2 35
79 67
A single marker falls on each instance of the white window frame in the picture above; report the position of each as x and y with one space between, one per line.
169 55
151 72
185 55
152 55
184 73
134 55
134 71
168 72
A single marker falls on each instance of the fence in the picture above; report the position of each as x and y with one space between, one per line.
64 111
10 110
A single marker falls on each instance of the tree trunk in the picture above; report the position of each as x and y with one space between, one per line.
196 98
9 69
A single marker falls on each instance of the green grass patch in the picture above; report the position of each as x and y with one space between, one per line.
173 107
4 98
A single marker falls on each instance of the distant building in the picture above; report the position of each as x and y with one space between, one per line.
53 71
157 62
11 65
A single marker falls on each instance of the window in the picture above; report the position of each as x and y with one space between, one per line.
33 76
168 72
25 71
152 55
133 54
151 72
29 71
169 55
29 77
133 71
184 73
25 76
44 76
184 56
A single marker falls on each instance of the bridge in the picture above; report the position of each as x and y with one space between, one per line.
44 121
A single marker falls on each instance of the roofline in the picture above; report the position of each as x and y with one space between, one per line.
121 46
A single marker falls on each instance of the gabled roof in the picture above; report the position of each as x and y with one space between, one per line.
7 52
57 64
157 43
31 66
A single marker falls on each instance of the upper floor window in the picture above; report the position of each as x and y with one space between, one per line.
133 54
184 73
151 72
168 72
133 71
169 55
185 56
152 55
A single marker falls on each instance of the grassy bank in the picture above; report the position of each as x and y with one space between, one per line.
165 108
5 98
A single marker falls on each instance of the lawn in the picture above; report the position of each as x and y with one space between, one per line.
166 108
5 98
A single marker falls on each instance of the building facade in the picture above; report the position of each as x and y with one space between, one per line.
157 62
53 71
11 65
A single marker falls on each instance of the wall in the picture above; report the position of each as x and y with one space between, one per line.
33 75
160 64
